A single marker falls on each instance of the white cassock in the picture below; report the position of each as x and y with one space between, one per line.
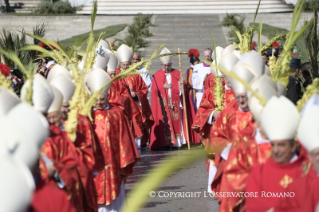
198 76
116 204
146 78
181 140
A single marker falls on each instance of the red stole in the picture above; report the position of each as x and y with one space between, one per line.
272 177
209 82
116 153
167 121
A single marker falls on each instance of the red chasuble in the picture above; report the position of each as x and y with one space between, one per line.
62 153
209 82
311 202
230 125
206 107
270 178
138 86
302 191
116 153
166 112
48 198
120 96
243 156
85 144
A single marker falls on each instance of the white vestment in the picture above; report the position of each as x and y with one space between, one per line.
198 76
146 78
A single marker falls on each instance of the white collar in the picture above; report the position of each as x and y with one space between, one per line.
62 126
227 88
106 108
245 110
294 158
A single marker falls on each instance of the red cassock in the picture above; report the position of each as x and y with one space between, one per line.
85 144
167 118
270 178
116 153
62 153
243 156
48 198
120 96
230 125
137 85
302 189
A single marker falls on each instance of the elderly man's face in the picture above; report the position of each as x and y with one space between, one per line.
125 65
54 118
111 73
242 100
167 67
101 101
136 58
282 150
207 55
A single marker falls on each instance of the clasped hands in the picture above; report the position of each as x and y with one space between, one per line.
169 85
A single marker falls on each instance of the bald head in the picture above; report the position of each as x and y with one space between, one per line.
136 58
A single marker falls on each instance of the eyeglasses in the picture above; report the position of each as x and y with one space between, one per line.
241 97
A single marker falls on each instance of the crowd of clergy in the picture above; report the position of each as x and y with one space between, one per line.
261 151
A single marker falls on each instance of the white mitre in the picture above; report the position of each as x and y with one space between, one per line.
281 89
280 119
31 121
219 51
228 61
101 61
97 78
255 61
230 48
265 89
308 130
113 62
17 185
57 102
23 131
65 86
237 53
244 72
124 53
8 100
166 59
103 44
56 70
42 94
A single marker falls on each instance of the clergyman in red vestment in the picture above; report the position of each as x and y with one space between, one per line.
306 188
279 119
166 106
116 152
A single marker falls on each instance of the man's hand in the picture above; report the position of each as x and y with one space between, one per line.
51 170
216 113
168 86
133 94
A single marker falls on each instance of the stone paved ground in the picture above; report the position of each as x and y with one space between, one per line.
192 178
